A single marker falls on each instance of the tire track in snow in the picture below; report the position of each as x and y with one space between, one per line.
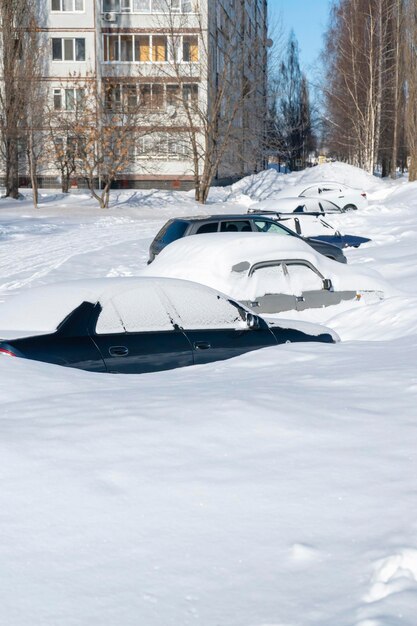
24 262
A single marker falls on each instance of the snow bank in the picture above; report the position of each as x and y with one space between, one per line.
275 488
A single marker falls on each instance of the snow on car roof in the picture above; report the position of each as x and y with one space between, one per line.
210 259
289 203
42 309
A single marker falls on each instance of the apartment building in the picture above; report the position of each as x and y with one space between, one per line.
152 56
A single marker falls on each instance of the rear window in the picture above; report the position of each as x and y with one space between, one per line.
172 231
211 227
235 226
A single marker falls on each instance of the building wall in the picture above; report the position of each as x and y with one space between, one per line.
100 23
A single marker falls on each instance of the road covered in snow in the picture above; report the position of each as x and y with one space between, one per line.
274 489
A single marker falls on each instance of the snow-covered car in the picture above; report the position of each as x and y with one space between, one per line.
137 325
347 198
311 225
295 204
268 279
178 227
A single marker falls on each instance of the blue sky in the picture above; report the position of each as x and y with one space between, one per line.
308 19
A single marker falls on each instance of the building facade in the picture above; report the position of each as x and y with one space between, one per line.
192 72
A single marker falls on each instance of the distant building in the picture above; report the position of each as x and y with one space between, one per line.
130 46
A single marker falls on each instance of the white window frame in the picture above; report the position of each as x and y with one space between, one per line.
172 48
127 6
62 93
73 10
164 140
74 51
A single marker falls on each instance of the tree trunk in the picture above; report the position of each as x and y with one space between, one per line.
412 169
12 170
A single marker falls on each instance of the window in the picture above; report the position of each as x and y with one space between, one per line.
121 97
199 307
207 228
235 226
303 278
173 95
269 227
163 146
126 48
70 6
136 48
142 48
67 99
190 93
159 48
190 48
151 96
147 6
68 49
123 313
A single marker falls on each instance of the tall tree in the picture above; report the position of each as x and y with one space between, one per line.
20 60
290 109
358 61
411 86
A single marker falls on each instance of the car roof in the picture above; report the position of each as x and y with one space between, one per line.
219 216
231 248
290 202
50 304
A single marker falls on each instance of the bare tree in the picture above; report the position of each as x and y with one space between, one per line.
216 68
98 137
411 86
356 57
21 59
291 135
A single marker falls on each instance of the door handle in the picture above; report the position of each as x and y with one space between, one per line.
118 351
202 345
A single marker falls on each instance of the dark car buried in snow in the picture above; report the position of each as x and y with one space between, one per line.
137 325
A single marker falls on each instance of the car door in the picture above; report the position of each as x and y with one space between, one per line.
271 288
135 334
310 287
215 327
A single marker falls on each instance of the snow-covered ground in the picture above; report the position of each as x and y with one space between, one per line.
275 489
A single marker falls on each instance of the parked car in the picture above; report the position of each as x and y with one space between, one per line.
136 325
294 204
345 197
266 277
183 227
312 226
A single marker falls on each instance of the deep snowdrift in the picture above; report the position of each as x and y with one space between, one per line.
274 489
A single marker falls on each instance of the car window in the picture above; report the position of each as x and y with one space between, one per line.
303 278
270 280
329 189
135 310
265 226
314 190
235 226
207 228
329 207
198 307
172 231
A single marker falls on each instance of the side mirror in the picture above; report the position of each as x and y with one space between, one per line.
327 284
252 321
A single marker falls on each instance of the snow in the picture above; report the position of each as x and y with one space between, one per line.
277 488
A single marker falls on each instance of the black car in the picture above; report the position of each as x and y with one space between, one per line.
137 325
182 227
